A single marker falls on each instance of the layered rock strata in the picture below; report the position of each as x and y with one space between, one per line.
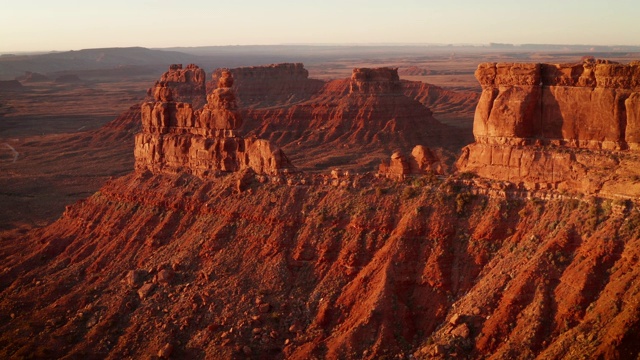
590 105
176 138
271 85
568 127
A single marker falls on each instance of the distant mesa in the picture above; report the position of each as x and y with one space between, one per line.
270 85
10 85
375 81
176 138
67 79
32 77
414 71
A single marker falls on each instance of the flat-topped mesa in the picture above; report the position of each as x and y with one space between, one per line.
589 105
175 138
421 162
270 85
289 71
181 85
382 81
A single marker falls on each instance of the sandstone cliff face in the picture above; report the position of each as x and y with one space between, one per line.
175 138
271 85
589 105
569 127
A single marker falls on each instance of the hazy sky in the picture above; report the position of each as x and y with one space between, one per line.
31 25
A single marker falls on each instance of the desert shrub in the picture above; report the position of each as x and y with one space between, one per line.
467 175
462 199
409 192
381 191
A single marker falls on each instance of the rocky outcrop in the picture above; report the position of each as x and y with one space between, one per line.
380 81
271 85
176 138
572 127
181 85
589 105
422 161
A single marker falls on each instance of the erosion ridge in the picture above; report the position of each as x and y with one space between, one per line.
173 261
570 127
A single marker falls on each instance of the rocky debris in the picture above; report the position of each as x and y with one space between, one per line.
422 161
181 85
455 319
545 126
165 276
461 330
175 137
136 277
166 351
264 308
145 290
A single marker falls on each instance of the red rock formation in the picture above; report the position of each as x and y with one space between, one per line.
422 161
271 85
175 138
587 106
577 105
221 110
367 114
302 272
182 85
375 81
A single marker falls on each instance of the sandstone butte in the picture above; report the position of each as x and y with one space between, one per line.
571 127
227 260
175 138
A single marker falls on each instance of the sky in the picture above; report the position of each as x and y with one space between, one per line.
45 25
